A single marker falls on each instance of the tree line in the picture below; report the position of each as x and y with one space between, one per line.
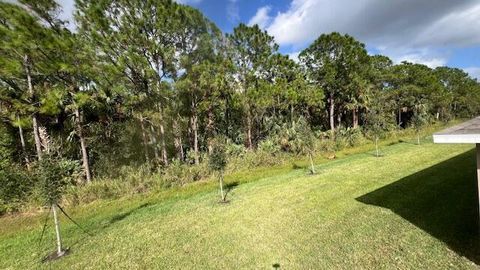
156 81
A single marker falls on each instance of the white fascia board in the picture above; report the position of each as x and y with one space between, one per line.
456 138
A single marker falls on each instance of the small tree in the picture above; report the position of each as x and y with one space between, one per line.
419 119
54 174
218 162
378 121
304 141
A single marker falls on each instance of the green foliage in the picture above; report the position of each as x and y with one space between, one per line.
348 137
15 183
378 118
54 174
217 160
269 146
131 180
295 137
235 150
7 147
339 65
15 188
420 116
179 173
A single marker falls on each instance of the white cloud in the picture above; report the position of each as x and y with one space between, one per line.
426 56
262 17
294 56
432 62
384 22
233 11
474 72
188 2
399 29
458 28
68 8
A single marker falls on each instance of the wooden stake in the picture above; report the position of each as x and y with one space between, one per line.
57 230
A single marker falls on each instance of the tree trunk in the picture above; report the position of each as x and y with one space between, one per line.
227 116
145 141
57 230
24 147
355 117
195 138
418 138
155 144
182 152
400 117
249 131
178 139
376 147
339 119
159 65
36 134
86 166
210 129
44 139
162 134
221 187
331 112
291 114
312 168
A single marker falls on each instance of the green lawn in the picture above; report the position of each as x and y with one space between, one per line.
413 208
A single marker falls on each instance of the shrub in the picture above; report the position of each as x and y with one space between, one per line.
15 188
178 173
295 137
235 150
132 180
269 146
348 137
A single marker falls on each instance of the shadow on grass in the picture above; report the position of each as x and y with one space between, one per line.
121 216
295 166
229 187
441 200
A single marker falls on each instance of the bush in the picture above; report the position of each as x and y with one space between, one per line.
178 173
269 146
131 180
295 137
348 137
235 150
15 188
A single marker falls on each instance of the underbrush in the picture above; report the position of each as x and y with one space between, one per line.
131 180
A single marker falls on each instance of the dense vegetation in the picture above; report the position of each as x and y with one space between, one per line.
140 90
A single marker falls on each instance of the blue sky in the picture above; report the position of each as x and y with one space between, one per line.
435 33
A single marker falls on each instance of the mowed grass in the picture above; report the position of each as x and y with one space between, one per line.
413 208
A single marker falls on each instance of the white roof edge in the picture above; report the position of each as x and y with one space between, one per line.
456 138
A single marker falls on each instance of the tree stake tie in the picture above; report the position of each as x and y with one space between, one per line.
74 222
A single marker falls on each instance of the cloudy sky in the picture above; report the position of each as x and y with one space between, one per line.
435 33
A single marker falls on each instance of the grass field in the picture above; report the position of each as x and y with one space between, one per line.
413 208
